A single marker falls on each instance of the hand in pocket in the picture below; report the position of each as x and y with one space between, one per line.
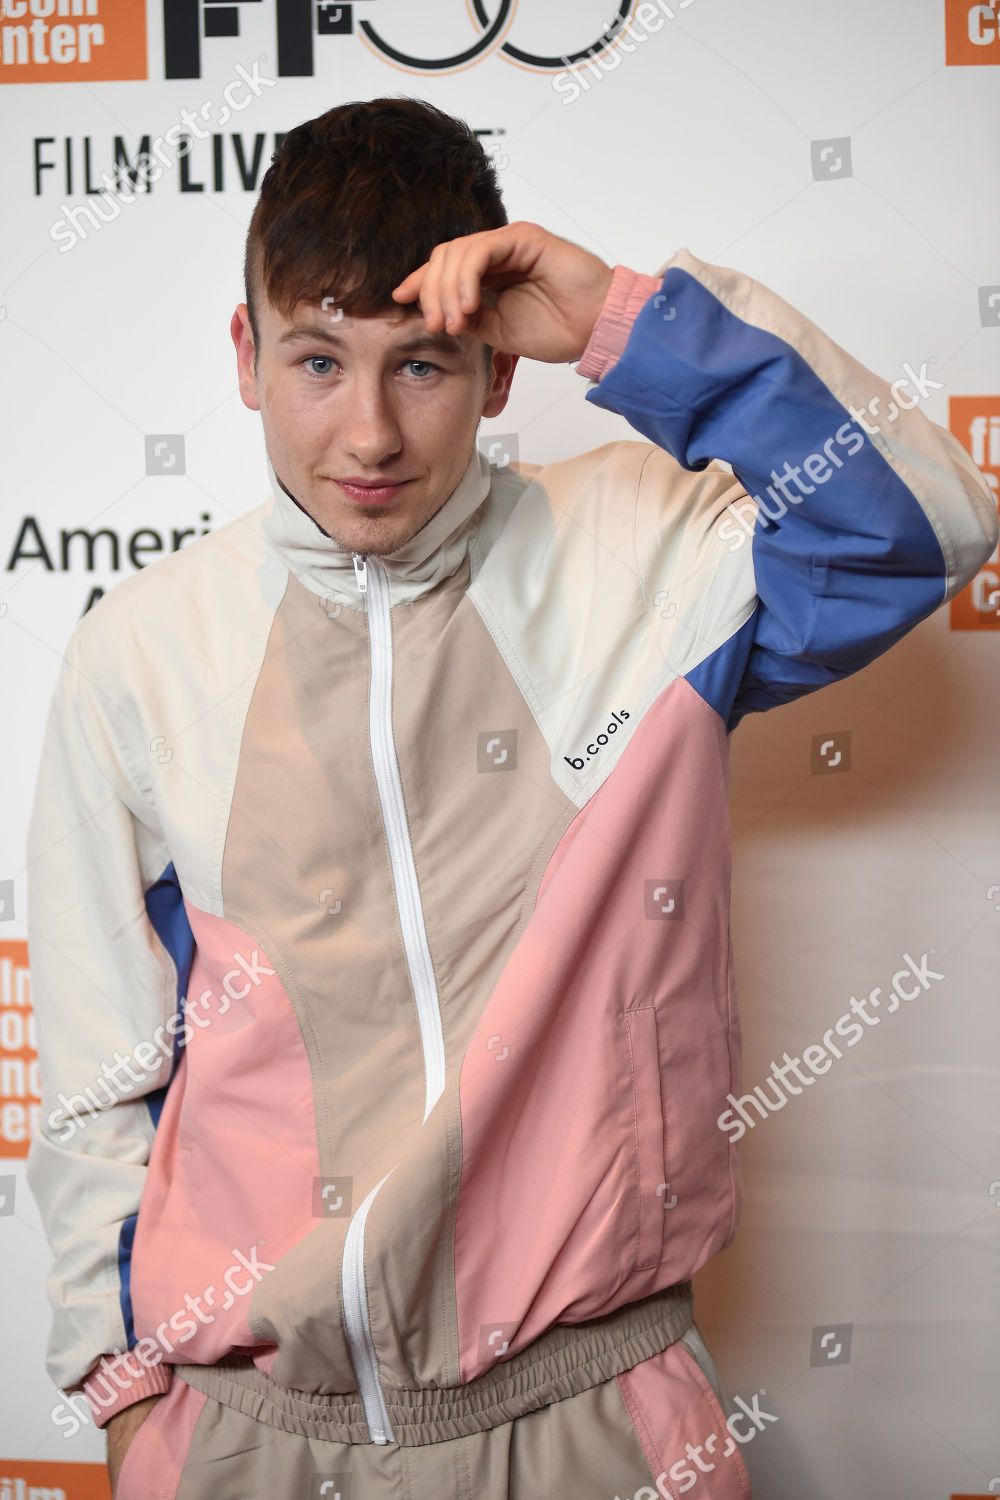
121 1433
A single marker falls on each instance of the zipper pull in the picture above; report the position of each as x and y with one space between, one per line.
360 570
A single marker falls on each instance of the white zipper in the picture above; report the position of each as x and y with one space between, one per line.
418 957
359 1331
390 793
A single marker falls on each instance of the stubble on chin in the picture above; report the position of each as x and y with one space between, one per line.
378 537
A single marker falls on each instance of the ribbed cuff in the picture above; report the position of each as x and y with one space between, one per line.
119 1380
629 291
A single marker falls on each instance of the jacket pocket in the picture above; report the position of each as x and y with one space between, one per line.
648 1132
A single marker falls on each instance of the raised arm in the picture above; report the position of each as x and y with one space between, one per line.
855 514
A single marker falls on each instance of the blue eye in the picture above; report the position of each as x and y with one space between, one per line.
425 363
323 359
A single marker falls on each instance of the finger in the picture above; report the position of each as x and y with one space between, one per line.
438 297
459 285
441 289
409 288
430 292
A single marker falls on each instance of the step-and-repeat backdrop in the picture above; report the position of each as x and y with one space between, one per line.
845 155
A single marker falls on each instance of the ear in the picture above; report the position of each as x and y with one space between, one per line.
242 336
498 390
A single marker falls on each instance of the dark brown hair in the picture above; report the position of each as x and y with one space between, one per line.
356 199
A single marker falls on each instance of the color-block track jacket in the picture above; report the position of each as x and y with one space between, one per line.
379 907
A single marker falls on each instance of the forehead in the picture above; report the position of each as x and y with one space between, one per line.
402 331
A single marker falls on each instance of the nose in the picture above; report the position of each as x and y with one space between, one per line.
370 430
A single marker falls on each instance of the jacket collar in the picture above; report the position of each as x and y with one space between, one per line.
327 569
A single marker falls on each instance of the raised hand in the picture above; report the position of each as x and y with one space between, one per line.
518 288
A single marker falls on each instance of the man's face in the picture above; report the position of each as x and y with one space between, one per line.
369 422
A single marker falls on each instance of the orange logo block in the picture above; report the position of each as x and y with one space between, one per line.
19 1481
972 34
20 1086
66 41
975 421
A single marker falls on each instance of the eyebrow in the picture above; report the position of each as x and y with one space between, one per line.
444 343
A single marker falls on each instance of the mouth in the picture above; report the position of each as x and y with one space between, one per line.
371 491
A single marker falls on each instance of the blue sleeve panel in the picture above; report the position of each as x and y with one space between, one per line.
165 908
841 572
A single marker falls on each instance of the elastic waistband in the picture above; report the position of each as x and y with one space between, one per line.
563 1361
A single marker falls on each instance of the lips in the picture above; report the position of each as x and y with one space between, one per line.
370 491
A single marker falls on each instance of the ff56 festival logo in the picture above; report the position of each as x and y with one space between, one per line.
52 41
49 41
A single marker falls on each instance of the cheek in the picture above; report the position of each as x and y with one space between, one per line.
293 423
451 423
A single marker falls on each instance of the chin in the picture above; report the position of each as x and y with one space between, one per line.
369 537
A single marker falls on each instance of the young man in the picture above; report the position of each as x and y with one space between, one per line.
381 837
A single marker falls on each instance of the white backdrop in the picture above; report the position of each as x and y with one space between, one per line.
845 155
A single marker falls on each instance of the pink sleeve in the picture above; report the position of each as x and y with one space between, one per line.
125 1380
628 292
